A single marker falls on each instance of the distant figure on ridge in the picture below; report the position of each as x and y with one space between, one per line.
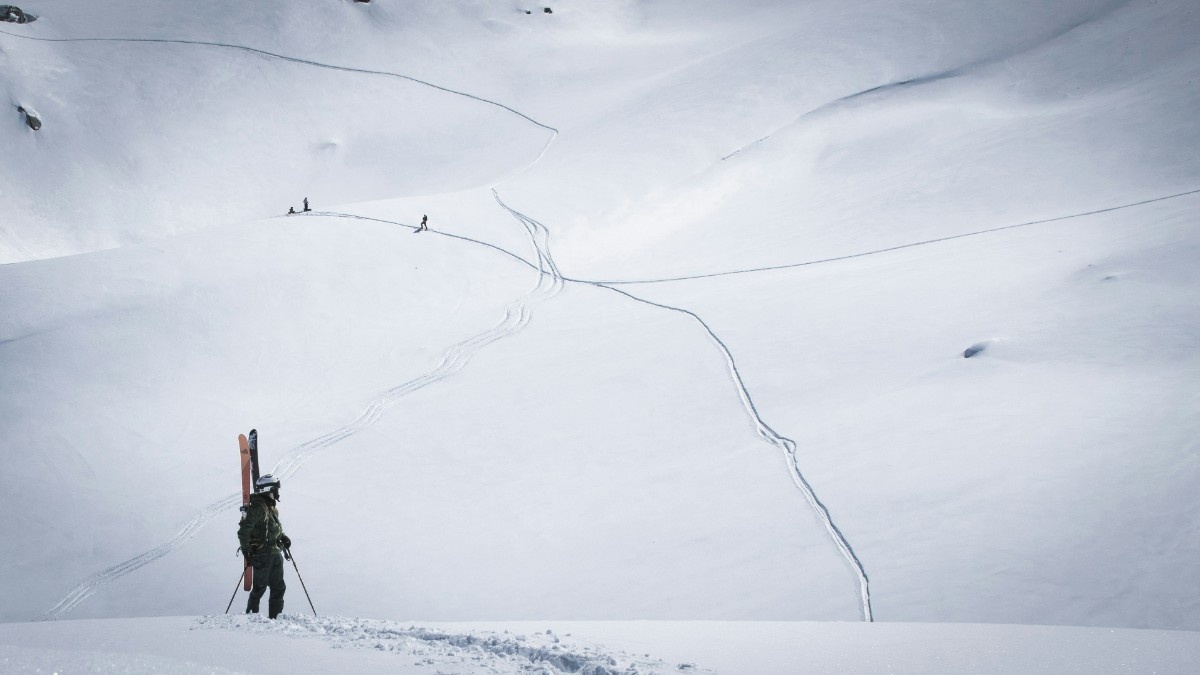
306 205
424 224
262 539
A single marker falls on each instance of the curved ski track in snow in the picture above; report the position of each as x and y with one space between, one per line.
546 266
516 316
295 59
443 233
787 445
889 249
89 586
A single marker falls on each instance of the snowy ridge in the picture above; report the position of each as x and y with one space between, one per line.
946 74
438 233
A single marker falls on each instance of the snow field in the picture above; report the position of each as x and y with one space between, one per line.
464 438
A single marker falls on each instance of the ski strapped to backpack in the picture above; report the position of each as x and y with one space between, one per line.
254 456
247 469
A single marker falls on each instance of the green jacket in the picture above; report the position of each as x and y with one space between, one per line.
260 529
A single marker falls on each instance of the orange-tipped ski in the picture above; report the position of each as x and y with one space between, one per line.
244 444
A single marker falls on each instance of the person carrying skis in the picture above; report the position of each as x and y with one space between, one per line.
263 541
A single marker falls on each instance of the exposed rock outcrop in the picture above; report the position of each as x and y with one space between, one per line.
31 117
13 14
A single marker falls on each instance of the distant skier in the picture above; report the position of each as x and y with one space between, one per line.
263 541
306 209
424 224
291 210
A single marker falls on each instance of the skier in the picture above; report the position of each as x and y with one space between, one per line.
424 224
262 539
306 209
291 210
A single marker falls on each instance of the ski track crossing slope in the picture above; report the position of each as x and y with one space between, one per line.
540 234
788 447
517 315
957 71
294 59
862 254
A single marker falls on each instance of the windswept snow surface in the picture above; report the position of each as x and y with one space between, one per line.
686 340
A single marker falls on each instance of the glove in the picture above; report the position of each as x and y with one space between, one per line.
284 541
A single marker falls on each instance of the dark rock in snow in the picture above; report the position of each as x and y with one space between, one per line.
31 118
13 14
974 349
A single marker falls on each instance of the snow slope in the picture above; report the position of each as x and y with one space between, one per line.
216 644
583 396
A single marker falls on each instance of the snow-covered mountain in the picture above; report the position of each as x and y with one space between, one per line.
758 311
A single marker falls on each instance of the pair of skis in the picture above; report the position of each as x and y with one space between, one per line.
248 450
249 453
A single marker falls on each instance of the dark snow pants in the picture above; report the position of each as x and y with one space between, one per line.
268 572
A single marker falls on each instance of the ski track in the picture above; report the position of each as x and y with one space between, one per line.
540 234
787 446
517 316
958 71
292 59
620 282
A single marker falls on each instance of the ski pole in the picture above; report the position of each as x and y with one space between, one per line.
235 589
287 553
